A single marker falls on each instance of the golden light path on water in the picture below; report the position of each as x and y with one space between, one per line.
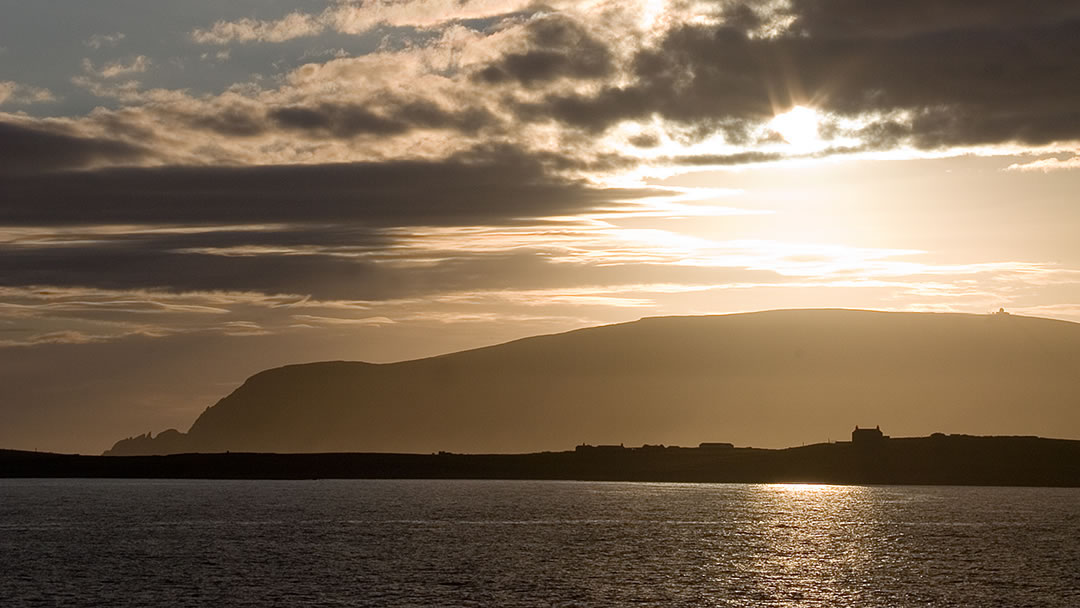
520 544
809 544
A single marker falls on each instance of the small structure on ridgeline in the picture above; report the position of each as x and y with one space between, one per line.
599 448
867 435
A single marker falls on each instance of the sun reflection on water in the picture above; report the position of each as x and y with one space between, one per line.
805 487
810 541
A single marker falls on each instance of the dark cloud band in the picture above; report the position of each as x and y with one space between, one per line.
498 186
26 150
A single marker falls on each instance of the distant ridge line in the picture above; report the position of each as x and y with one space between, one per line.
936 460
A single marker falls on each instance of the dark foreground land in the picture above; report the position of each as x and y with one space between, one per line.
939 459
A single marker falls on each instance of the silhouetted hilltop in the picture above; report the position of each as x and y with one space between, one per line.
768 379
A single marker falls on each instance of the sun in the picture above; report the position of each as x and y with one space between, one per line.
650 13
798 126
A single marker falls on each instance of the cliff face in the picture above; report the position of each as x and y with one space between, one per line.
767 379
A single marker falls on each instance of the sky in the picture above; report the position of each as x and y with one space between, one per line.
192 192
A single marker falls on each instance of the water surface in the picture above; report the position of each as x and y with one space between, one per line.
526 543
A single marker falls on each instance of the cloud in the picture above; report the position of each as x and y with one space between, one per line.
104 81
490 287
555 46
137 65
852 18
723 160
346 109
56 337
489 185
336 261
350 120
352 17
318 320
583 81
98 41
1047 165
293 25
344 259
219 56
31 151
355 18
14 93
979 75
103 282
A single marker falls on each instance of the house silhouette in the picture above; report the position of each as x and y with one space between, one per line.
867 435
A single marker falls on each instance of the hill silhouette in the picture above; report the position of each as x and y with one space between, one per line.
768 379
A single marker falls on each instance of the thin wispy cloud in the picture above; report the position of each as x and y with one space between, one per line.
98 41
114 69
16 94
354 18
1047 164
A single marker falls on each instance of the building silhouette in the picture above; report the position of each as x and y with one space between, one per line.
867 435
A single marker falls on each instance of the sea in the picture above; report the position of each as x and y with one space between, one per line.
117 543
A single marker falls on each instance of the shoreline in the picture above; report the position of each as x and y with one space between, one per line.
935 460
